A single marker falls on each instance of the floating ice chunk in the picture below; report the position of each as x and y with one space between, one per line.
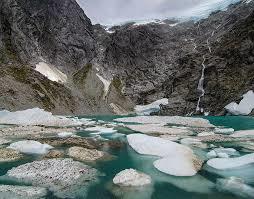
30 147
229 163
235 186
226 131
35 116
101 130
182 160
185 121
222 153
205 134
131 177
158 129
244 107
65 134
51 72
150 108
244 133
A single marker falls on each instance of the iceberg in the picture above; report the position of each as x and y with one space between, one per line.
30 147
176 159
244 107
150 108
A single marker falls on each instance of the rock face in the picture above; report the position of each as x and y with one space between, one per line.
131 177
139 63
62 176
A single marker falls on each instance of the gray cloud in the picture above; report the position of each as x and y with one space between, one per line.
116 11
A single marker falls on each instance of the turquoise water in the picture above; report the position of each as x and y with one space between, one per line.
164 186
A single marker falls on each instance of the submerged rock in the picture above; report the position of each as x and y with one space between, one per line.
84 154
177 159
7 155
22 192
235 186
131 177
230 163
30 146
64 177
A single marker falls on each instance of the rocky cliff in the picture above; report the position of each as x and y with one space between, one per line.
199 66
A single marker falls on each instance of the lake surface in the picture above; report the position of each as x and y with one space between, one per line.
164 186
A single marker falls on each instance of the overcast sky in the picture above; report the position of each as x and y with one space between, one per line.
116 11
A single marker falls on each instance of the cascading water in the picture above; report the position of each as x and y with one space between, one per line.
201 86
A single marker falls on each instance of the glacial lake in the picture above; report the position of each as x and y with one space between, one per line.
164 186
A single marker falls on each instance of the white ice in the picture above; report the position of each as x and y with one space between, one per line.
181 158
244 107
150 108
30 147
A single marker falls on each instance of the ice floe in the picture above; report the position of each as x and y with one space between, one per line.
244 107
35 116
243 133
222 153
131 177
230 163
235 186
150 108
51 72
7 155
65 134
30 147
177 160
22 192
64 177
203 134
178 120
193 142
101 130
158 129
226 131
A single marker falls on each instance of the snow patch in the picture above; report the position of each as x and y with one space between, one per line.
244 107
150 108
106 84
51 72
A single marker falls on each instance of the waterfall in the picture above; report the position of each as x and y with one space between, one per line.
201 85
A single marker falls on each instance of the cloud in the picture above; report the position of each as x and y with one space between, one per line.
117 11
